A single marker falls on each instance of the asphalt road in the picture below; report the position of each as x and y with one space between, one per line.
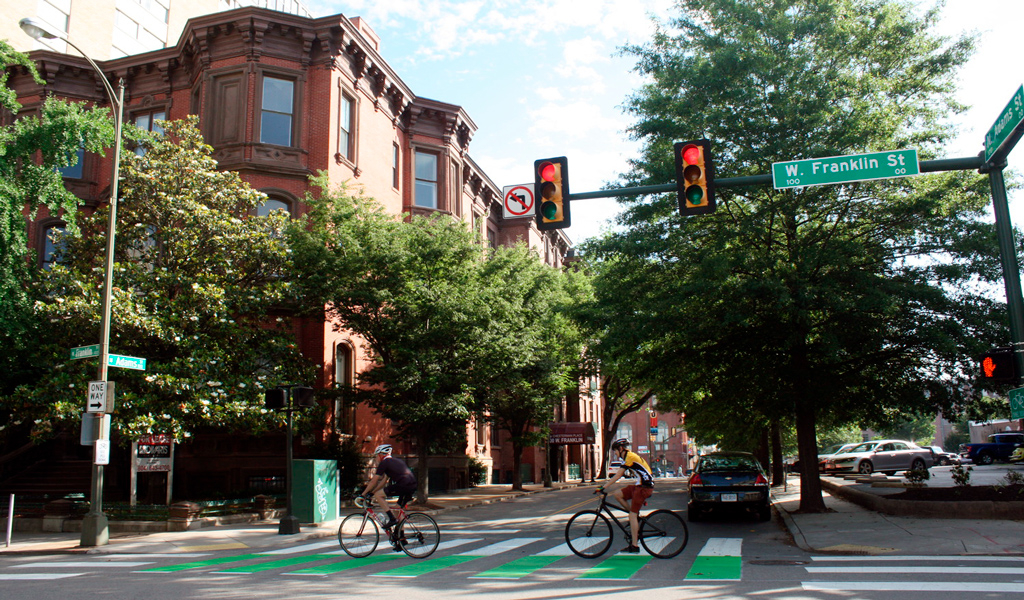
511 550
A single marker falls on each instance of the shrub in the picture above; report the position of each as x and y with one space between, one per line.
918 475
962 476
477 472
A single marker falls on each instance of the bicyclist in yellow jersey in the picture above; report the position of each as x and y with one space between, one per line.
637 493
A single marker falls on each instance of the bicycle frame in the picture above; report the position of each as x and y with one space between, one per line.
608 508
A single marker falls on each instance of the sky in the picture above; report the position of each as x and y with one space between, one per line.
547 78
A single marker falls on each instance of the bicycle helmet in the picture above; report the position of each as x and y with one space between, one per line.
382 449
620 443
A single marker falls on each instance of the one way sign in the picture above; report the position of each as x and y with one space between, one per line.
99 392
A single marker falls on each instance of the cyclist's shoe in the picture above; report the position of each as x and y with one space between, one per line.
391 522
631 549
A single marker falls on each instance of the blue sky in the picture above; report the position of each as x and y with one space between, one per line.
544 78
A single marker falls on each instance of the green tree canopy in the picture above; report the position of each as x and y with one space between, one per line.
860 302
196 276
32 150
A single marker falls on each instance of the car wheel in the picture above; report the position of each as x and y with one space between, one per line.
865 467
918 465
765 513
944 461
985 458
692 513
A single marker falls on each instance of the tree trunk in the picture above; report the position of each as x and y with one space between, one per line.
422 472
778 466
517 461
811 500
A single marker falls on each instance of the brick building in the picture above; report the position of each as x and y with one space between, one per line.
281 96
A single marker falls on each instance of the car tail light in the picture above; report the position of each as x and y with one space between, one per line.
761 480
695 479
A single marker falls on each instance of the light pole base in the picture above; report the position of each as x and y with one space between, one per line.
289 525
94 530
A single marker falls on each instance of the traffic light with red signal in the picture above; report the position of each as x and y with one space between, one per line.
695 177
999 365
551 188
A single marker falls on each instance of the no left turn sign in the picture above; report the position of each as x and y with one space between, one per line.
518 201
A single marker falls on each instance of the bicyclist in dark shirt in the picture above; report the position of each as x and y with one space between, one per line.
392 478
637 493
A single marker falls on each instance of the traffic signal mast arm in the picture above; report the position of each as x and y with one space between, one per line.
927 166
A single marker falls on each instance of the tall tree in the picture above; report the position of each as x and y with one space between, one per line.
195 277
33 149
412 291
529 357
857 301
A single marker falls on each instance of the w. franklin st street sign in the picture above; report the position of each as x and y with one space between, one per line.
845 169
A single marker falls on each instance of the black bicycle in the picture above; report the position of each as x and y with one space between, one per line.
662 533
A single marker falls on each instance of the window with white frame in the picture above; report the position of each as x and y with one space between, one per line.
426 179
53 244
277 111
346 127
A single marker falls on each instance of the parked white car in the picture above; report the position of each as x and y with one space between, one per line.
884 456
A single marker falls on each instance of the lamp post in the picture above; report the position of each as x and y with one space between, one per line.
94 525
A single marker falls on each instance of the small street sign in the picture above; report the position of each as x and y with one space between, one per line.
1017 403
97 402
85 352
845 169
517 201
126 362
1008 123
102 454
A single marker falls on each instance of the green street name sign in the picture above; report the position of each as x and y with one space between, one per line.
1007 122
126 362
85 352
845 169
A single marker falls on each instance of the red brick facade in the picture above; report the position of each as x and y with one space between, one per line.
336 81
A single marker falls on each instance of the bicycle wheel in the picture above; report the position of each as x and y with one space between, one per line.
663 533
418 535
588 533
358 535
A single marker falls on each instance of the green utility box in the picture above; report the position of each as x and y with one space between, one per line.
315 490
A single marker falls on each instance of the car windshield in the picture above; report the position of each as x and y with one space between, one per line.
865 447
728 463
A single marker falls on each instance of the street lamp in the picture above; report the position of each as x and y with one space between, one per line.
94 525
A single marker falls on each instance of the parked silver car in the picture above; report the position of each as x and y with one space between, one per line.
884 456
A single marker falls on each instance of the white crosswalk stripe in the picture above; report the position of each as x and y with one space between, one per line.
915 577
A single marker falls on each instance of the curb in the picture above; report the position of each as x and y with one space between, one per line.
926 509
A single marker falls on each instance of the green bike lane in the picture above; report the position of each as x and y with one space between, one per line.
718 560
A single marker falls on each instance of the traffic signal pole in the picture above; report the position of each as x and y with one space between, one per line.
1011 268
1004 229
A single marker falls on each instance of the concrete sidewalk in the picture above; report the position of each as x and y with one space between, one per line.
849 528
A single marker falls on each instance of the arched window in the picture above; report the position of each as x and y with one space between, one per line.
625 430
273 204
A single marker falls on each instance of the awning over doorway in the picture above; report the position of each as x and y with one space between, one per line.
571 433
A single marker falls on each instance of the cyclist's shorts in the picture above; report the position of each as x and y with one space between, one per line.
637 496
404 493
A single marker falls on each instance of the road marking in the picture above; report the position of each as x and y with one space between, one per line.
164 555
618 567
345 565
79 564
518 568
979 587
232 546
198 564
303 548
36 576
917 558
275 564
436 564
565 550
912 570
719 560
478 531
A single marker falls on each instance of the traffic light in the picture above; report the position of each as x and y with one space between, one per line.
999 365
303 396
695 177
275 399
551 185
